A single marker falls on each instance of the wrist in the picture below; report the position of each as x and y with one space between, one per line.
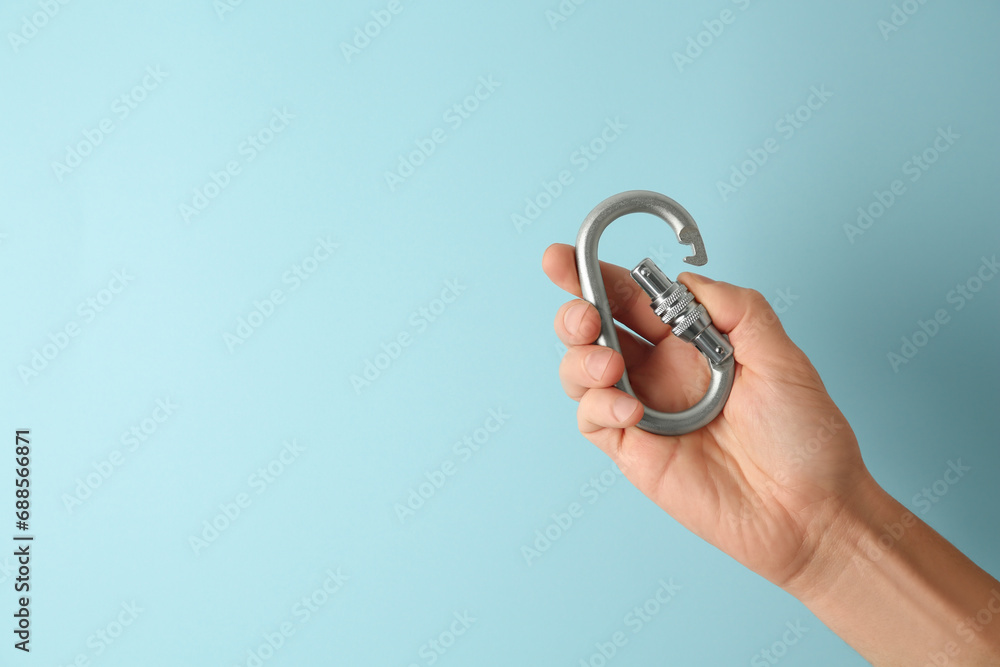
893 588
854 530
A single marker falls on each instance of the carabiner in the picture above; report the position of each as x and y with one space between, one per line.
671 301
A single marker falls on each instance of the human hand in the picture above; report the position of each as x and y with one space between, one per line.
768 478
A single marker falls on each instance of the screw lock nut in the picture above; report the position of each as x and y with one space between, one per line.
676 306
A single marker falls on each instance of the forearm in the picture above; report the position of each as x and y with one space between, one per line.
898 592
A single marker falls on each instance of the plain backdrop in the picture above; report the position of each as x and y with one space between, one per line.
241 209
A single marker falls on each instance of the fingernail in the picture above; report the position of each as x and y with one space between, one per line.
574 316
624 407
597 362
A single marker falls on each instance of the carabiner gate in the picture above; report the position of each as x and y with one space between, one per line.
671 301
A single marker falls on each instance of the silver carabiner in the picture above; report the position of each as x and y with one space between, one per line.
671 301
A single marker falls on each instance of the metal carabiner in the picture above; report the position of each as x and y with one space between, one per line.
671 301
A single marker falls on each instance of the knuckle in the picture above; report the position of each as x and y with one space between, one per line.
757 301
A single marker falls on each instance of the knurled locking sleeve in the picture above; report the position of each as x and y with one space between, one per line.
676 306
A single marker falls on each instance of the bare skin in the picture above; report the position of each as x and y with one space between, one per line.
777 480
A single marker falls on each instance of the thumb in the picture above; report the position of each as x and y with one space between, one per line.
759 340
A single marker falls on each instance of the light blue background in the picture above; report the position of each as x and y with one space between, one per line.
493 348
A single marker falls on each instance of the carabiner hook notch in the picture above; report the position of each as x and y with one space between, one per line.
671 301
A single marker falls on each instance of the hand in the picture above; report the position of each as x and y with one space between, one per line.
776 481
768 477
